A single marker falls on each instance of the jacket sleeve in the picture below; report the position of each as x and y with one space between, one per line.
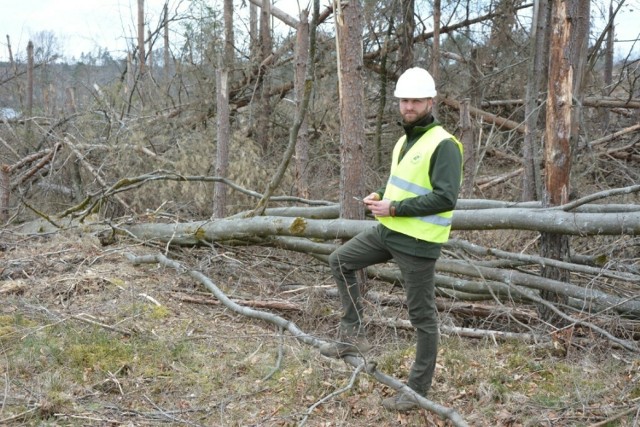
446 179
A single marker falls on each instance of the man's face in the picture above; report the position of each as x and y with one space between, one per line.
412 109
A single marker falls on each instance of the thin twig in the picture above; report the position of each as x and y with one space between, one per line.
348 387
617 416
102 325
169 416
280 355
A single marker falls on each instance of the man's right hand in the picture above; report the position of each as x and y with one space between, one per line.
371 198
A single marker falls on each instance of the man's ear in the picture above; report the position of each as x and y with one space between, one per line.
430 104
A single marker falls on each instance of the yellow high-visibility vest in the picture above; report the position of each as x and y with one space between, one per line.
409 178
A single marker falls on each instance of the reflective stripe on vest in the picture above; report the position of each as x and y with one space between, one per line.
409 178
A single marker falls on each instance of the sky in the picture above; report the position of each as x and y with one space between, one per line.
86 25
79 25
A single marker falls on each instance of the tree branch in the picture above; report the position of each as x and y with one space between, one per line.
447 413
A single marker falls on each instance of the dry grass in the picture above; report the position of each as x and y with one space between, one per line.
89 339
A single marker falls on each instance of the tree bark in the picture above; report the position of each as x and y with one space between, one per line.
5 191
405 34
225 66
349 25
302 144
499 122
552 221
608 66
141 54
467 138
263 107
223 140
435 58
531 186
558 139
166 54
30 69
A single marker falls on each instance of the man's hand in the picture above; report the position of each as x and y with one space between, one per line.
371 198
376 206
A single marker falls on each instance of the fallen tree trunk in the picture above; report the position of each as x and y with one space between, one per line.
462 309
257 229
543 220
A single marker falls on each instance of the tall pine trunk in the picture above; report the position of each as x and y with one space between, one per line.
349 25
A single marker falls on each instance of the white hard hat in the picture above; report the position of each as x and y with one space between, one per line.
415 83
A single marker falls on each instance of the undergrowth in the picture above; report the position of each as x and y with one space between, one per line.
106 343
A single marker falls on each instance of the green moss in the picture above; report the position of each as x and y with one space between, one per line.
158 312
200 234
298 226
7 332
99 351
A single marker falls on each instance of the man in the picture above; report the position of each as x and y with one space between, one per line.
414 211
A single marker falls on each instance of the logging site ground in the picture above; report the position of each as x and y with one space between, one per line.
125 304
88 338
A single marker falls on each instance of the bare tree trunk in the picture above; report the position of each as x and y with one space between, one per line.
141 54
608 67
435 58
166 56
349 25
384 80
302 145
263 113
253 31
558 137
223 139
150 54
579 16
535 77
467 137
70 100
10 51
5 191
407 27
30 68
225 65
130 74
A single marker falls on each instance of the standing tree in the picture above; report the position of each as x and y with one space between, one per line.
263 110
302 145
406 26
535 77
579 16
608 66
166 56
349 25
557 153
435 57
141 55
225 65
30 68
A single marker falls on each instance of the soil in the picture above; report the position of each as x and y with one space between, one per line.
90 338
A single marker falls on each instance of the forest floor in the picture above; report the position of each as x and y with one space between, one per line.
89 339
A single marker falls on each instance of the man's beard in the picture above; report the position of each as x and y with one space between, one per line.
419 117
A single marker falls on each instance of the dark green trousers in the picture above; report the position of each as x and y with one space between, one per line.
368 248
